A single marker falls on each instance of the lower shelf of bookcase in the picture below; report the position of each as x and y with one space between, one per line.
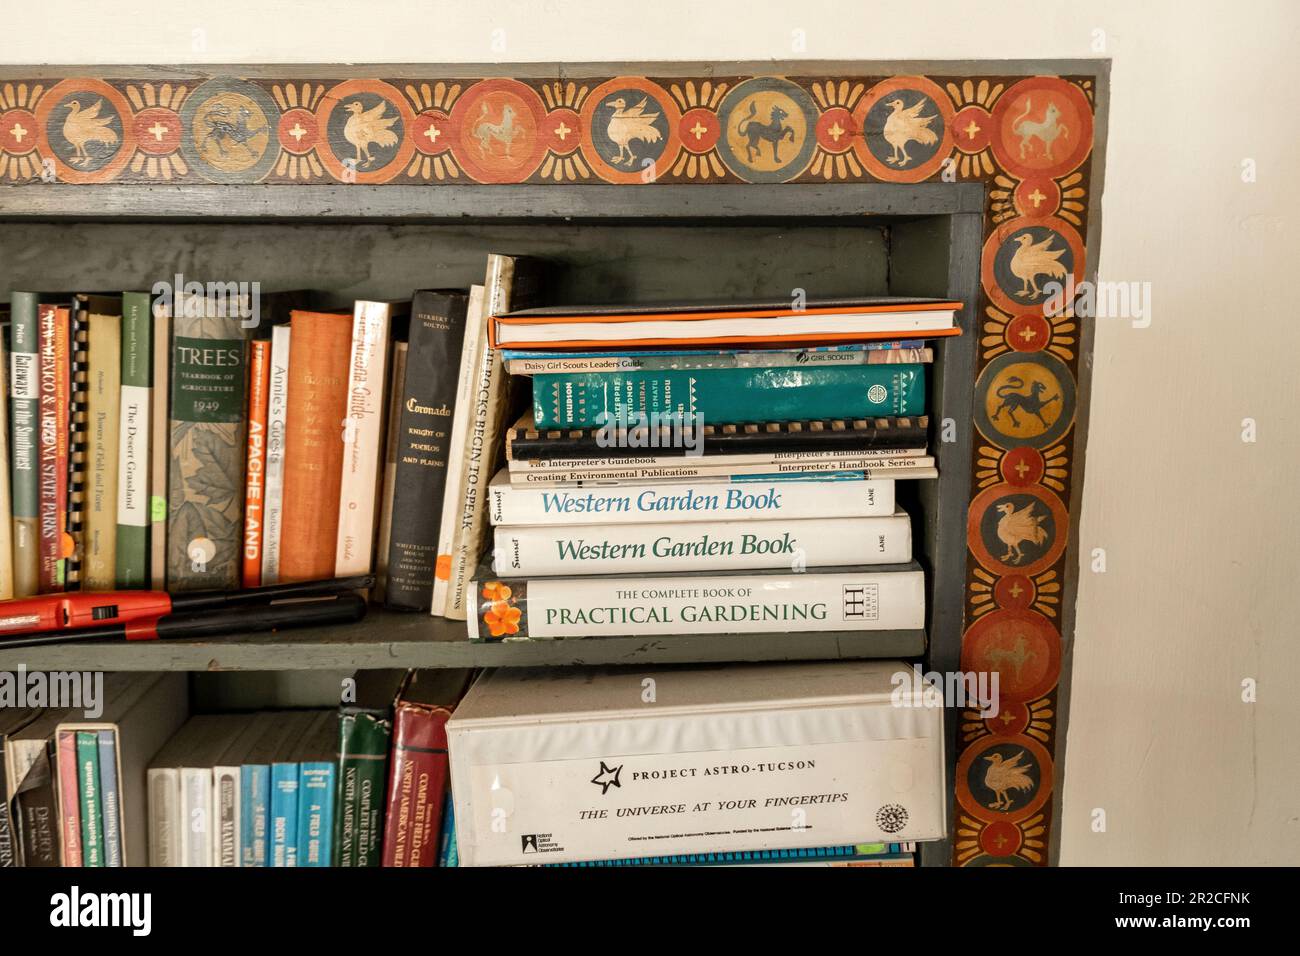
388 639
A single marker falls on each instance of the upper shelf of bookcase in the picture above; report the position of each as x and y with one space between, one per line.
389 639
488 202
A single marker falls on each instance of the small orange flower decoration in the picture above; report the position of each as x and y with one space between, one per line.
496 591
502 619
442 567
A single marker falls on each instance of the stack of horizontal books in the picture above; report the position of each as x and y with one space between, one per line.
710 469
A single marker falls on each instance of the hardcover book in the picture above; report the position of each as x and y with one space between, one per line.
110 797
392 438
317 404
277 405
135 441
105 399
731 758
515 608
55 411
511 282
424 434
36 813
259 381
317 780
286 727
418 776
365 730
68 786
78 447
6 499
205 501
710 499
871 464
159 446
794 544
24 440
773 323
519 362
726 396
92 820
363 434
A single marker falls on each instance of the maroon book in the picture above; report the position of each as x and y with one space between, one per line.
418 775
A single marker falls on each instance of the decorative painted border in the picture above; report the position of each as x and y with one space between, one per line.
1028 138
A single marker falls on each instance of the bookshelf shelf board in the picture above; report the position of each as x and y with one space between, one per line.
388 639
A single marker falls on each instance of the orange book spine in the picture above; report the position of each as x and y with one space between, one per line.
313 445
259 387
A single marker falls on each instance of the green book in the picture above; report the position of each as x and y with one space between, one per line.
209 400
726 396
24 422
365 735
92 819
134 429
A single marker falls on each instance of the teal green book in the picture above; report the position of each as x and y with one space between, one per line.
728 396
24 423
92 814
133 455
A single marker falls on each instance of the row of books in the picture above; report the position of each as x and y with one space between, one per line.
568 766
731 481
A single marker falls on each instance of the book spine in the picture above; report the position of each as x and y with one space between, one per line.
8 839
866 599
318 385
284 815
316 782
427 410
205 493
910 455
695 501
259 380
276 406
873 468
363 432
69 799
742 545
225 803
463 414
875 353
53 443
491 390
196 816
7 555
417 786
105 372
254 812
92 814
78 446
134 454
111 802
364 741
393 420
36 814
448 855
164 816
721 396
24 435
159 448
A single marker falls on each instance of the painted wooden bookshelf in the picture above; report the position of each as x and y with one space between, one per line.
761 235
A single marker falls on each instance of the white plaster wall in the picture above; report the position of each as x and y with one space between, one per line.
1201 588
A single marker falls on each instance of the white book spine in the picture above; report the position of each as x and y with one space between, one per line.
878 455
566 365
706 500
196 816
362 438
471 349
596 606
133 455
273 504
225 808
164 785
688 468
702 546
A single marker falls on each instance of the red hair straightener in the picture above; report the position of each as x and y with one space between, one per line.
153 615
